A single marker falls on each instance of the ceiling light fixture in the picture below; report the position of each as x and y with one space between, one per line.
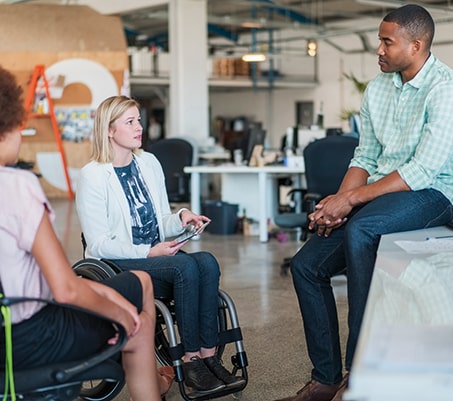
251 25
312 48
254 57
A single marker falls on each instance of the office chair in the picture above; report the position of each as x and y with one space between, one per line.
62 381
174 154
326 162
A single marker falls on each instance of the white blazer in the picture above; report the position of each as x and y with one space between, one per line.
104 213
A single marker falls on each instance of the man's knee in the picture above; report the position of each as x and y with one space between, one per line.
298 266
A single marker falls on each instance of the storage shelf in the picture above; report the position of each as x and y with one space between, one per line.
230 83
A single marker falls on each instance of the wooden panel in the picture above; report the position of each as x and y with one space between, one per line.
58 28
77 155
48 34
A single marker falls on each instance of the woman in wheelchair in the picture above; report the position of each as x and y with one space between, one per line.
125 216
33 264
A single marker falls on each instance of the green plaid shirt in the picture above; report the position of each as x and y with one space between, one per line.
409 128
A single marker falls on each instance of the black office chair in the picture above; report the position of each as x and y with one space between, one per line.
63 381
326 162
174 154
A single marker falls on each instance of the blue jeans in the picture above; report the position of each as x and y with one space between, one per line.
192 279
353 247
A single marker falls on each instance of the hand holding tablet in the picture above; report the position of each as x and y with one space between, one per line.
190 232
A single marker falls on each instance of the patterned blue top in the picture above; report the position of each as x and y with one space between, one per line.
145 229
409 128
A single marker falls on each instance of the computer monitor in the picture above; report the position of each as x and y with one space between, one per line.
255 136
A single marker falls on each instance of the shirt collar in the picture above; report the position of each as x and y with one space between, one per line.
419 79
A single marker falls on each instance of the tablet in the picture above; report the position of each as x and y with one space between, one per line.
190 232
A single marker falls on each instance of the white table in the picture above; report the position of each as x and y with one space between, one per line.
229 171
405 348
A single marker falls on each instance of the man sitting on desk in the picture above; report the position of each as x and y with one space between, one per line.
401 178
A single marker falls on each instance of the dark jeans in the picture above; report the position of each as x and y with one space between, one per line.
192 279
353 247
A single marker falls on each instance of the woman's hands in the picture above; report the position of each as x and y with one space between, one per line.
128 317
167 248
189 217
170 248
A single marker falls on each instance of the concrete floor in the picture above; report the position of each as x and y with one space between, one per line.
266 304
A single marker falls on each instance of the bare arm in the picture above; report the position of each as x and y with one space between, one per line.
68 288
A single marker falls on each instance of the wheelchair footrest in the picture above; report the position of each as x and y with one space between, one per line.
191 396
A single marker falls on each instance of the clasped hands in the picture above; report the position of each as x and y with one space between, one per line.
330 213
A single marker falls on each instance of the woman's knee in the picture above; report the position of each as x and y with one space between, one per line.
143 340
147 291
145 280
208 263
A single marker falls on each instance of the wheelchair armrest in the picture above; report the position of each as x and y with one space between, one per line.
68 370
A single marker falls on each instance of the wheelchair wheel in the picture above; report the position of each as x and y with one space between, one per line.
94 269
100 390
97 390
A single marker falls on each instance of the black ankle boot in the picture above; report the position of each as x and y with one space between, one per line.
199 377
215 366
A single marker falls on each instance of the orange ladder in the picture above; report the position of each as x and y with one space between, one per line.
39 72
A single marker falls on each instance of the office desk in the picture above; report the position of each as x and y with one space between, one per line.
232 172
405 348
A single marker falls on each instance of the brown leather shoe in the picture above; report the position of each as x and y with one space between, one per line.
314 391
342 388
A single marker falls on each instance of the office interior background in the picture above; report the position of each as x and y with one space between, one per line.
346 36
271 93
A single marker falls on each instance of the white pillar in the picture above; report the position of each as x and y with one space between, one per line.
189 95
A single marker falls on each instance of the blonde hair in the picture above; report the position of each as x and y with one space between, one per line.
106 114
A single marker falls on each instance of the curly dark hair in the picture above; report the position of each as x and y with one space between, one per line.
12 112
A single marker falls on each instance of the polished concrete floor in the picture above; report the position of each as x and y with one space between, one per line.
266 304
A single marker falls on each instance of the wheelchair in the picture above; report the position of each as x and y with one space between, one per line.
62 381
168 348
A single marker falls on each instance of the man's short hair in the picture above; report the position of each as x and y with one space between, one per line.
415 20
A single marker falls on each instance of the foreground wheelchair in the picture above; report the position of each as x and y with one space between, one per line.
60 381
169 350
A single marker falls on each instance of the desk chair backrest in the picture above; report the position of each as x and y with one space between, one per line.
174 154
326 162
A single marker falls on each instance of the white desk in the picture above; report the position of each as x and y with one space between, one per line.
261 174
405 348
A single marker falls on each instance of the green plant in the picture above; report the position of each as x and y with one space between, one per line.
360 87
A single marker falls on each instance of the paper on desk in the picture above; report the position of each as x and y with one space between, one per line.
410 347
432 245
